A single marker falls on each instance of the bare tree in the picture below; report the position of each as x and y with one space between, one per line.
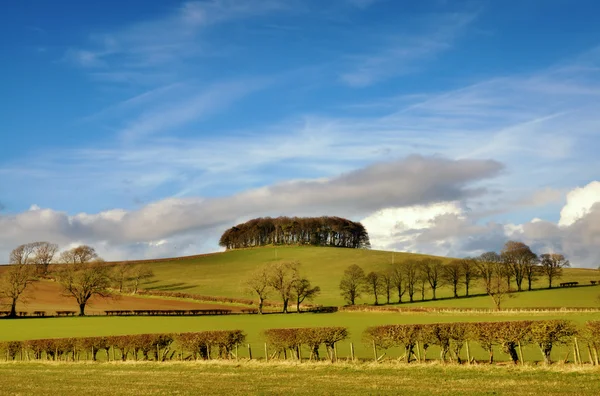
13 284
453 272
121 275
398 280
433 270
387 282
520 259
490 266
282 277
469 272
303 290
83 281
374 285
78 255
258 283
22 254
352 283
411 276
43 255
140 273
552 266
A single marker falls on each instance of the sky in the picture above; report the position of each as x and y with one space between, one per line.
147 128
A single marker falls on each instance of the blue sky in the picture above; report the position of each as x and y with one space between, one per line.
121 116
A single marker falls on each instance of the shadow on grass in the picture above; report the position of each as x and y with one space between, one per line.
172 287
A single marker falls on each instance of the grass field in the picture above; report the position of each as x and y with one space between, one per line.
253 325
209 378
223 274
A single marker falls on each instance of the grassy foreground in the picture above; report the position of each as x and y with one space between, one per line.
276 378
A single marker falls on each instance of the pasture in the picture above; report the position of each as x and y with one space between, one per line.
235 378
223 274
254 325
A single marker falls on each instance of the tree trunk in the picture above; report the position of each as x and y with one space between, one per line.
82 309
455 289
285 305
261 302
13 308
298 306
433 291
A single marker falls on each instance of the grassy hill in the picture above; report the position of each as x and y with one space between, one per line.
223 274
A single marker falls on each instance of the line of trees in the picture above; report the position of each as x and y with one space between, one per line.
515 265
317 231
283 279
81 272
451 338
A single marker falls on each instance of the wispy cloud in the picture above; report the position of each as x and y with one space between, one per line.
402 52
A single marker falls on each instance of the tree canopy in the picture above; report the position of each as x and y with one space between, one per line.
316 231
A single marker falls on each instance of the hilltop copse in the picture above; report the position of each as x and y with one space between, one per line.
315 231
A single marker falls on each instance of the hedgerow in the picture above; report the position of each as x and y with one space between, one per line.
292 340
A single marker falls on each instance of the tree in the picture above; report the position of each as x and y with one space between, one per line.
374 285
303 290
552 266
433 271
520 259
452 275
490 266
258 284
411 275
21 254
13 283
469 272
121 275
79 254
84 280
39 254
387 282
352 283
140 273
282 277
398 280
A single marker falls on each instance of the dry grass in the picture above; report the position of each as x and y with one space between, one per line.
235 378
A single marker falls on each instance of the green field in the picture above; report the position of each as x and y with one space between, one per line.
208 378
223 274
253 326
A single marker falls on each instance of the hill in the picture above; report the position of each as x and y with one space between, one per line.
223 274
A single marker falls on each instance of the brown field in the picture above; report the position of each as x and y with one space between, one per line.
47 296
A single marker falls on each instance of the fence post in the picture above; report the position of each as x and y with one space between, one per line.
419 351
521 353
236 352
468 353
335 351
249 352
266 353
578 351
157 353
374 351
352 351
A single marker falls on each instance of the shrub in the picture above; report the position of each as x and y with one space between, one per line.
547 333
405 336
513 334
312 337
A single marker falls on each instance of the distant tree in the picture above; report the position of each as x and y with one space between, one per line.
21 254
303 290
258 283
352 283
453 272
552 266
78 255
42 254
469 272
433 270
85 280
398 280
138 274
421 280
490 266
121 276
374 285
411 276
282 277
387 283
15 280
521 260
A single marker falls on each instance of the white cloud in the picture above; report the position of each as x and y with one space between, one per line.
412 181
579 203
